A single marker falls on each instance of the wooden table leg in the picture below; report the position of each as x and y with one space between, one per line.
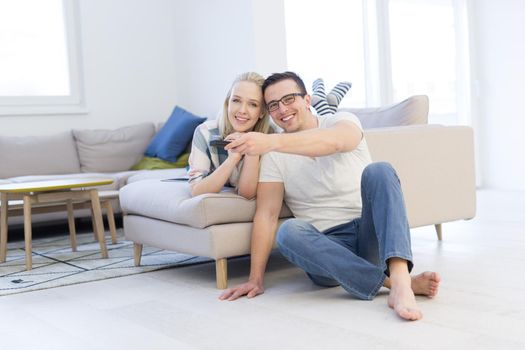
3 226
27 232
93 224
71 223
99 224
111 221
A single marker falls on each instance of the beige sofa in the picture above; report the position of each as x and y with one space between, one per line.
77 154
111 153
435 165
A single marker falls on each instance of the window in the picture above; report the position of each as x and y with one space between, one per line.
39 69
329 47
398 48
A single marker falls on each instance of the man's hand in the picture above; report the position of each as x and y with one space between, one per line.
234 136
235 156
253 143
250 289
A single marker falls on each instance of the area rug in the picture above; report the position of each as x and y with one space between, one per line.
55 265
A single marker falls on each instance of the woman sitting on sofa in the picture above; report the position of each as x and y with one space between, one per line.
211 167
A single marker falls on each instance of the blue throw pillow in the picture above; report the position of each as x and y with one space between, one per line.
172 139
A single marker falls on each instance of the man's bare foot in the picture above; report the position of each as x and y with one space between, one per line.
426 283
403 300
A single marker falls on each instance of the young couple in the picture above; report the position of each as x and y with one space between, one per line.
350 227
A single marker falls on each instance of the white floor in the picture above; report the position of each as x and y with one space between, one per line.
481 302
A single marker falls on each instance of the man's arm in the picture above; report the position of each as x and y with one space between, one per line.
269 201
343 136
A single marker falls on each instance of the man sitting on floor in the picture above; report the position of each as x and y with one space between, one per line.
350 227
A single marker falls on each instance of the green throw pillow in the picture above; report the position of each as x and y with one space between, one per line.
150 163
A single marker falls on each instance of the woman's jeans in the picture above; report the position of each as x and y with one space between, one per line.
354 255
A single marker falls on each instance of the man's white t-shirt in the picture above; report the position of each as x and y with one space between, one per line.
324 191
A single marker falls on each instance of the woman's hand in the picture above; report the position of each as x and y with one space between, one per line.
235 156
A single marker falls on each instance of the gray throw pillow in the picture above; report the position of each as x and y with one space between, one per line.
112 150
38 155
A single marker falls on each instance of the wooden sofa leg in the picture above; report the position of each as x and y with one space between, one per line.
137 250
438 231
221 271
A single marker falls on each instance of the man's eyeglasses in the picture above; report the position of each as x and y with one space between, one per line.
286 100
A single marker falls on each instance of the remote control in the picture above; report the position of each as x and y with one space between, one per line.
219 143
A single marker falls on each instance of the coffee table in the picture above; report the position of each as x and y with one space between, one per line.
44 194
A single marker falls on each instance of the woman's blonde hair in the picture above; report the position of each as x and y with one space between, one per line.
262 125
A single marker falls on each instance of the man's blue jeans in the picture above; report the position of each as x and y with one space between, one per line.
354 255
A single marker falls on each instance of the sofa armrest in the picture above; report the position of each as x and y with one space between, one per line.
412 111
436 167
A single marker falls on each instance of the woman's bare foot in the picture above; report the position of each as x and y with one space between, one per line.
403 300
426 283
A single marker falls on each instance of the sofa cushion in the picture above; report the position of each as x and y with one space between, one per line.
38 155
158 174
122 177
413 110
172 201
171 141
112 150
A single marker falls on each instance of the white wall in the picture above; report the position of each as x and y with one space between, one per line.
222 38
141 58
499 54
129 76
217 40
